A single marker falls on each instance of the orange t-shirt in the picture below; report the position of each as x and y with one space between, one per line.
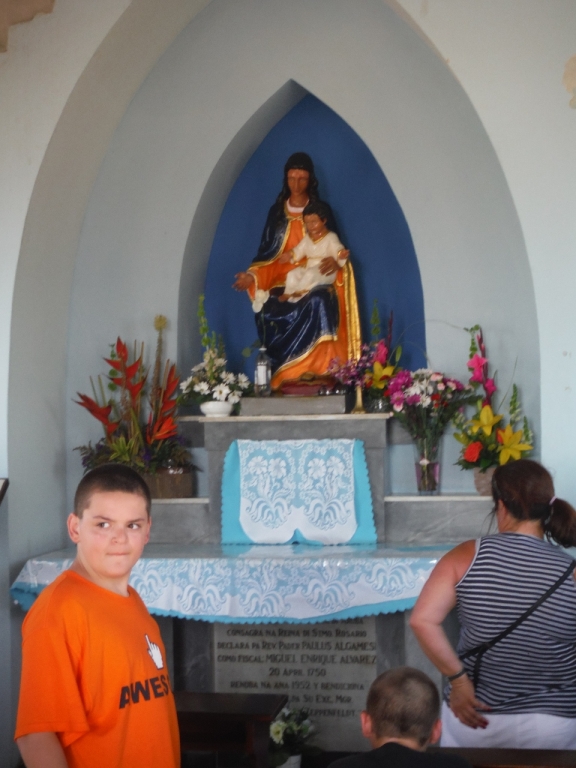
94 672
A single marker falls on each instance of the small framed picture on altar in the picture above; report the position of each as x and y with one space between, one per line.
3 487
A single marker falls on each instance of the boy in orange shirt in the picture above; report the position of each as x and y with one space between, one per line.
95 690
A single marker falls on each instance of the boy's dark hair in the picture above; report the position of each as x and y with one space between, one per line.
403 703
318 207
110 478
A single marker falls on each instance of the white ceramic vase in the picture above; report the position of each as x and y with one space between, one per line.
216 408
483 481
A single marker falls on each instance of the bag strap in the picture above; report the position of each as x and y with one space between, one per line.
483 647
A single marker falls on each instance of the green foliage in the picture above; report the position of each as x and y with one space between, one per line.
527 434
125 451
515 409
248 351
209 380
473 344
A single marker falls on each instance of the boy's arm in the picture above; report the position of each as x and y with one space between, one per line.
42 750
299 250
341 253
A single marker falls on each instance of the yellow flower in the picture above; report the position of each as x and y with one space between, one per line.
160 322
381 374
486 421
511 447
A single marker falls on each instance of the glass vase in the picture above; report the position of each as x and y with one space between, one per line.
262 374
427 464
377 405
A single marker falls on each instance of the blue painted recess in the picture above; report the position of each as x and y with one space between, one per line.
370 222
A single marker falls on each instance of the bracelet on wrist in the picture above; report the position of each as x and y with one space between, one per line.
450 678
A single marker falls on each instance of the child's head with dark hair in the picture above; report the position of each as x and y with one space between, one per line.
403 703
318 208
109 478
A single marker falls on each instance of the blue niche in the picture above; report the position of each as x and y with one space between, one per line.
370 223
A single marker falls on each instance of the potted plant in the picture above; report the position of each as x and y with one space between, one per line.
210 385
289 735
487 440
138 419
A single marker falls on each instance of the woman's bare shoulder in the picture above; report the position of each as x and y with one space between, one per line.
458 560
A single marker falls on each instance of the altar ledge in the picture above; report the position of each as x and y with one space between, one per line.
261 584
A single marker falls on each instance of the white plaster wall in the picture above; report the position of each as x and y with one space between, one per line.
47 254
380 77
59 103
45 59
509 56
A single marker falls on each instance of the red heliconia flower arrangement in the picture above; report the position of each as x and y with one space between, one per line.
145 443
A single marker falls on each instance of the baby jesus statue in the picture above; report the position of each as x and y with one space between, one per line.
315 246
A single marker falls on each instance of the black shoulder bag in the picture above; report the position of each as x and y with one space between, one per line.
481 649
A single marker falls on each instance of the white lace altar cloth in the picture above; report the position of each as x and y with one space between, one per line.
308 491
261 584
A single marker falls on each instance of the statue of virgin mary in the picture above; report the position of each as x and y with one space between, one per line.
301 338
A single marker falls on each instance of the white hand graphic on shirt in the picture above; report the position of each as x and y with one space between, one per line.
155 653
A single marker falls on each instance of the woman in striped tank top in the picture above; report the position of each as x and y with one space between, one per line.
512 679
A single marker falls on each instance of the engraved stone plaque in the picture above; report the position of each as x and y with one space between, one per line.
326 668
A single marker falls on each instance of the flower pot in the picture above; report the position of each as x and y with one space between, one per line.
216 408
294 761
171 483
427 465
483 481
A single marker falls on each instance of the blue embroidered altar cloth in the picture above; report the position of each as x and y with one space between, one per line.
261 584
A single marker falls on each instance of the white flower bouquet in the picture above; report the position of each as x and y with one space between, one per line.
209 380
289 734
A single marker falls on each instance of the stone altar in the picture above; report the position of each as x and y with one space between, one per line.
400 521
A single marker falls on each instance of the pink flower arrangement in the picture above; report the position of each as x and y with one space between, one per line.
378 361
424 402
433 393
478 364
358 373
486 439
